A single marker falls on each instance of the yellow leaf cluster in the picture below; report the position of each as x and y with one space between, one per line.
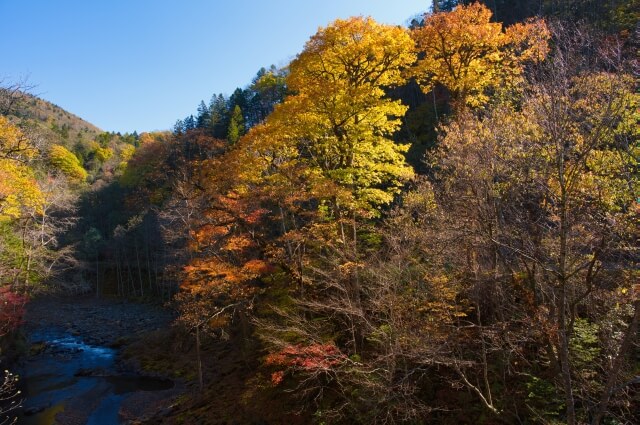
467 53
335 129
103 154
13 143
64 160
19 190
238 243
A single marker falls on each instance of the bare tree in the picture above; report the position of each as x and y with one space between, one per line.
9 398
12 92
41 228
544 195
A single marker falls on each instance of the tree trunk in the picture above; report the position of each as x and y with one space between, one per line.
27 270
199 359
139 271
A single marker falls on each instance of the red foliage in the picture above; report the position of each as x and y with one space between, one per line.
277 377
255 216
311 358
11 309
207 234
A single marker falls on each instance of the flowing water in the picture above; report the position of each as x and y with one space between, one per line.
65 380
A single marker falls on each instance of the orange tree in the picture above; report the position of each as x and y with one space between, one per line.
464 51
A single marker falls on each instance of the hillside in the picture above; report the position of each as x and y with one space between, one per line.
96 153
51 120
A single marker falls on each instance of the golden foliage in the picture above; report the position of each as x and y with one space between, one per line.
335 129
468 54
13 143
64 160
19 190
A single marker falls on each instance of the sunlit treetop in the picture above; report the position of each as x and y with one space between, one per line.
352 53
467 53
337 123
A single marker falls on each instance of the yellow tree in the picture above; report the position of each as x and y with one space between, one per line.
18 187
20 199
64 160
35 208
13 143
340 119
468 54
326 159
332 136
327 149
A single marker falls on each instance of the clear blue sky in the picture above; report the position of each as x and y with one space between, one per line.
129 65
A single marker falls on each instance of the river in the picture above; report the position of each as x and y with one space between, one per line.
71 374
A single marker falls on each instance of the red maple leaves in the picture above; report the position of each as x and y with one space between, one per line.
310 358
11 309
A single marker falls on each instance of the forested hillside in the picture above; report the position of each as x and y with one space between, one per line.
52 121
434 224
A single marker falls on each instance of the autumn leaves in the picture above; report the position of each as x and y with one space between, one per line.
471 56
337 123
488 271
324 162
18 187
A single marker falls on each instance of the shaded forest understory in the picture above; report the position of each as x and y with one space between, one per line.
433 224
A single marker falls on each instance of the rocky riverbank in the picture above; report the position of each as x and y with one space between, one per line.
99 321
73 372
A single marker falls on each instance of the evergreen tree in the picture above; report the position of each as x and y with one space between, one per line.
219 112
238 98
204 116
189 123
236 125
178 127
267 89
444 5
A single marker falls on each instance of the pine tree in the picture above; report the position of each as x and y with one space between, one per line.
204 116
189 123
236 125
218 121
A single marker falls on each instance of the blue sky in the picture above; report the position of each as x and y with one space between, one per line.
140 65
